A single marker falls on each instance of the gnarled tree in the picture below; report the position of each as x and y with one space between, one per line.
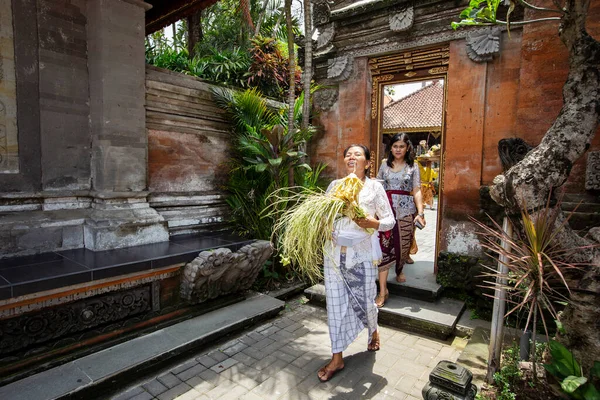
547 167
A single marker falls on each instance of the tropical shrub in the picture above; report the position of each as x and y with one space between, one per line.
265 158
269 71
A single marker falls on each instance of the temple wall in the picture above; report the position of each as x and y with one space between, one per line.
188 148
516 94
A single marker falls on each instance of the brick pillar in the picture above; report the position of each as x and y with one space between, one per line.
121 215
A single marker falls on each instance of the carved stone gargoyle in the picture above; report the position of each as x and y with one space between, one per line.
218 272
511 151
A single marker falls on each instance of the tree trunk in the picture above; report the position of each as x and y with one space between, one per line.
292 75
307 75
194 23
261 17
547 167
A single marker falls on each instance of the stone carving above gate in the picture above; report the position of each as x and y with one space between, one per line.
592 173
321 12
326 36
219 272
483 45
403 20
340 68
324 99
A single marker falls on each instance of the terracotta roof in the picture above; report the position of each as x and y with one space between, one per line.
419 110
166 12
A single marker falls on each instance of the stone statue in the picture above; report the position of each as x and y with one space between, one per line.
219 272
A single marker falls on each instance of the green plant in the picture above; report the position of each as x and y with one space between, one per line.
509 373
569 373
269 71
536 264
264 157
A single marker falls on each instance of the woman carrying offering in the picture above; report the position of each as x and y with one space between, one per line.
402 182
350 264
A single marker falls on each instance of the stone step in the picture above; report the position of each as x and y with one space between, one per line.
119 364
435 319
420 282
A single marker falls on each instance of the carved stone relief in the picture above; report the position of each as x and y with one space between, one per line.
324 99
403 20
58 322
592 173
512 151
483 45
219 272
9 162
340 68
326 35
321 12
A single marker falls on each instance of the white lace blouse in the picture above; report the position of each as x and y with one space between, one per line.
373 200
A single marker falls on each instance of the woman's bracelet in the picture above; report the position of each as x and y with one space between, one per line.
422 215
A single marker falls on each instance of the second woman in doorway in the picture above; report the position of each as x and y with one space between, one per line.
402 182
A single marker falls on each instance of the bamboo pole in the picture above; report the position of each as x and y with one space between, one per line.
496 337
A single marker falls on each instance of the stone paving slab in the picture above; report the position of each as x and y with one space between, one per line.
288 370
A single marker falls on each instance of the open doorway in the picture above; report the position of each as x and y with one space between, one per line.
417 109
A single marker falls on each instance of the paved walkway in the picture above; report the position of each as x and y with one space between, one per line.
280 360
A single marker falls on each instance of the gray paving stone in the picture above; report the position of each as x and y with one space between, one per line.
182 367
244 359
234 349
154 387
169 380
222 366
218 355
263 343
271 388
142 396
175 392
207 361
200 385
191 372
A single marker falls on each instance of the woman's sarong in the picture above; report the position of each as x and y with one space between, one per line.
350 292
397 241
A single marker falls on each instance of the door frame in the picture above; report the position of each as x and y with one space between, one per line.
409 66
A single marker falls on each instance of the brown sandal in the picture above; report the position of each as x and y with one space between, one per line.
401 278
325 374
374 345
380 300
409 260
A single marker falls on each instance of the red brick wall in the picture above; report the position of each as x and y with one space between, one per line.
544 70
348 122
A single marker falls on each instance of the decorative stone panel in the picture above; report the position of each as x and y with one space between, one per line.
321 12
403 20
218 272
326 35
340 68
592 173
59 322
483 45
324 99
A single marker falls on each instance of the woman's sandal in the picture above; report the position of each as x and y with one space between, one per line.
380 300
374 345
409 260
325 374
401 278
